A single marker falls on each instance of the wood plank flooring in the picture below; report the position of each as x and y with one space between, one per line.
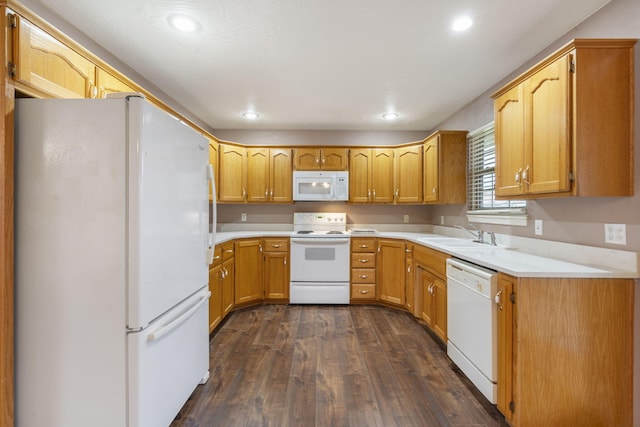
295 365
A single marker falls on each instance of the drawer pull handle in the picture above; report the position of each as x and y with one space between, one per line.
363 260
228 251
276 246
364 276
363 246
364 291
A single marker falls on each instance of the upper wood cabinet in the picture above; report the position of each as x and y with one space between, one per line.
445 160
324 158
408 174
565 127
371 175
108 83
214 147
45 67
232 164
269 175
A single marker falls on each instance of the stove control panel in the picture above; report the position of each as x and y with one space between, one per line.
308 218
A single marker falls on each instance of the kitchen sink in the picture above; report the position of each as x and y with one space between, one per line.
455 243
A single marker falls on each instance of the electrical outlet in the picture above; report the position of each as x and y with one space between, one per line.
243 217
537 228
615 233
406 219
442 220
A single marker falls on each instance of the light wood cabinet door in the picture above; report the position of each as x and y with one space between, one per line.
434 303
390 271
431 184
506 337
306 159
215 301
276 265
382 175
427 281
108 83
46 67
509 137
334 159
228 285
445 171
547 133
409 279
249 278
408 174
213 161
258 172
360 164
232 177
281 177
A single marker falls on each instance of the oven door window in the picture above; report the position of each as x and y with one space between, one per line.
320 254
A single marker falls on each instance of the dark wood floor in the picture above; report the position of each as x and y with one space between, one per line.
292 365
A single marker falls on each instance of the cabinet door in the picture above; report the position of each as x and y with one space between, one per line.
248 273
427 281
213 161
506 332
409 279
382 175
408 174
359 175
51 68
439 321
215 301
334 159
232 164
276 266
509 124
108 83
258 174
431 184
228 285
547 133
306 159
391 263
281 190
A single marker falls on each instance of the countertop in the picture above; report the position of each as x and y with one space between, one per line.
519 257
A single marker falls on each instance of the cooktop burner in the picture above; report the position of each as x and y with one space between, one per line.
304 232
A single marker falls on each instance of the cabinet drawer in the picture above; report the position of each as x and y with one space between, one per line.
430 259
217 257
363 275
276 245
363 260
227 250
363 291
363 245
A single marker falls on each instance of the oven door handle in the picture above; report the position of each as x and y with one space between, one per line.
319 240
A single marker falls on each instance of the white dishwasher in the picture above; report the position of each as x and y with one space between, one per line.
472 339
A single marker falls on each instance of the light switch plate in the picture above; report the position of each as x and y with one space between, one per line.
243 217
615 233
406 219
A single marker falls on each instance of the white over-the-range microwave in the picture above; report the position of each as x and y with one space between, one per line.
320 186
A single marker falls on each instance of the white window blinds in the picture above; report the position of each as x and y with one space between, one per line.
481 174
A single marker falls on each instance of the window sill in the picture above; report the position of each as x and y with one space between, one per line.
518 219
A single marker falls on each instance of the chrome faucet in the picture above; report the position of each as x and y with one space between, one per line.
479 235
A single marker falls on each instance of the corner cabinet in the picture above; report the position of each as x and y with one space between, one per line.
445 168
565 127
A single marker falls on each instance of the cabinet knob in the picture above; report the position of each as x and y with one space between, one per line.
433 190
498 300
517 177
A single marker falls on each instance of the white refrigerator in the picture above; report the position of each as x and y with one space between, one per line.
111 296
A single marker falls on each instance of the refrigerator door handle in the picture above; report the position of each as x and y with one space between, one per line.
211 240
165 329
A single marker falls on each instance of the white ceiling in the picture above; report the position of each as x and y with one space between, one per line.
324 64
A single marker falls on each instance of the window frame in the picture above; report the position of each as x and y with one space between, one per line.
482 206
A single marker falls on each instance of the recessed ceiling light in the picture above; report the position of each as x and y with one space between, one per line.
250 115
183 23
390 116
462 23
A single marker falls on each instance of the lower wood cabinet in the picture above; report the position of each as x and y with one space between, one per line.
249 282
434 302
363 269
390 271
215 301
572 361
276 269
